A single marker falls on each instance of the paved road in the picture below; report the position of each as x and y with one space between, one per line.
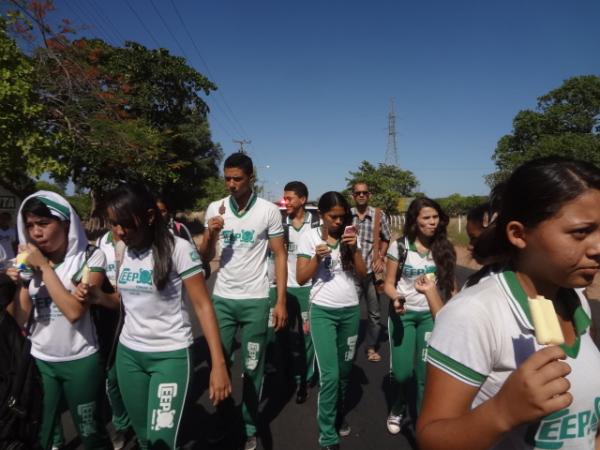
288 426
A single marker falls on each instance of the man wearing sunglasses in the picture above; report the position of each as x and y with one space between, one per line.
364 218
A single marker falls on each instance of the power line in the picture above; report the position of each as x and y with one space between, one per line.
93 15
183 53
143 24
107 20
208 71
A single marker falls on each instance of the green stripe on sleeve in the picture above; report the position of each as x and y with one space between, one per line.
97 269
391 257
275 235
302 255
192 271
454 368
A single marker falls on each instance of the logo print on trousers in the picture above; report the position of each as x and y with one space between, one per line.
86 414
351 341
164 416
252 359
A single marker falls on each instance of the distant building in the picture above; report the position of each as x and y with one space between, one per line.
9 202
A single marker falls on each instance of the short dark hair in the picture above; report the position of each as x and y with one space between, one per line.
241 161
298 187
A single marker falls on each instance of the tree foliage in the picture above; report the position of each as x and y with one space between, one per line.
456 204
566 122
22 139
387 184
119 114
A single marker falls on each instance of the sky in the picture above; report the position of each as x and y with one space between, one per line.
310 83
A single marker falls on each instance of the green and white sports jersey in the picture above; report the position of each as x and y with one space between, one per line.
484 333
54 337
157 321
244 244
294 235
106 244
332 286
415 266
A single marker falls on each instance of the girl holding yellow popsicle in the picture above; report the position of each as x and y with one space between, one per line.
64 341
511 363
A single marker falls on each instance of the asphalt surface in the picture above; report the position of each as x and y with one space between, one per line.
285 425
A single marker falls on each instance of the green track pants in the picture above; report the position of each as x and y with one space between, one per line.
298 339
154 387
80 383
334 334
119 418
409 334
251 316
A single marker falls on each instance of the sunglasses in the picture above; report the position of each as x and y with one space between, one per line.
359 193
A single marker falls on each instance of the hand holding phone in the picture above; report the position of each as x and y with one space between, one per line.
350 230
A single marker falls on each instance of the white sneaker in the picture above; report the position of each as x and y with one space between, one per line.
394 423
119 440
250 443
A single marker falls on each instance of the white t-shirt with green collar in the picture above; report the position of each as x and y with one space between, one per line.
484 333
54 338
332 286
416 265
244 243
106 244
157 321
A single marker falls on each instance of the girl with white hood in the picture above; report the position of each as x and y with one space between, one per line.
63 338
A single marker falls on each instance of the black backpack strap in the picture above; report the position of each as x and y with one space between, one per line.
315 220
402 254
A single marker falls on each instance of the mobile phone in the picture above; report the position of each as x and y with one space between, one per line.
350 230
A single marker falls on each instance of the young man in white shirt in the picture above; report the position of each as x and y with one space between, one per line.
246 225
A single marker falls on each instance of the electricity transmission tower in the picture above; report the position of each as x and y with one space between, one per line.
391 153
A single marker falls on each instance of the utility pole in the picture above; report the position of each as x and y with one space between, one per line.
391 153
242 142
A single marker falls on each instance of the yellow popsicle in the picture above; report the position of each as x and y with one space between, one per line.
545 321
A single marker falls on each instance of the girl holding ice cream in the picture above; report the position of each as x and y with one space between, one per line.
492 380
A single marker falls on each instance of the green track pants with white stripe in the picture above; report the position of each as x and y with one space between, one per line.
302 352
80 384
409 334
251 316
334 334
154 387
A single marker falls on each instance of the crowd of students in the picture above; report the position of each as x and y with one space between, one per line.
483 378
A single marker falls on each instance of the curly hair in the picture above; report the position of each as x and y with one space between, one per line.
442 250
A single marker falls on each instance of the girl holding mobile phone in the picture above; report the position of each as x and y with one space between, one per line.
332 259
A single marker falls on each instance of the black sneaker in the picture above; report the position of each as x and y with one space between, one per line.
301 394
345 429
251 443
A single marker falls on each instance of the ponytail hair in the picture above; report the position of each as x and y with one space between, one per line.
442 250
327 201
131 205
535 192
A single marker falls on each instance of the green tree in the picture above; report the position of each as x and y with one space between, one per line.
566 122
23 144
386 182
456 204
120 114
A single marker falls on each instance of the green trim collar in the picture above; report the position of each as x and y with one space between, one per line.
235 208
519 303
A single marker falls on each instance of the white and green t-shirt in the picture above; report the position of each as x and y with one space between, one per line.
332 286
294 235
484 333
244 242
54 337
416 265
156 321
106 244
